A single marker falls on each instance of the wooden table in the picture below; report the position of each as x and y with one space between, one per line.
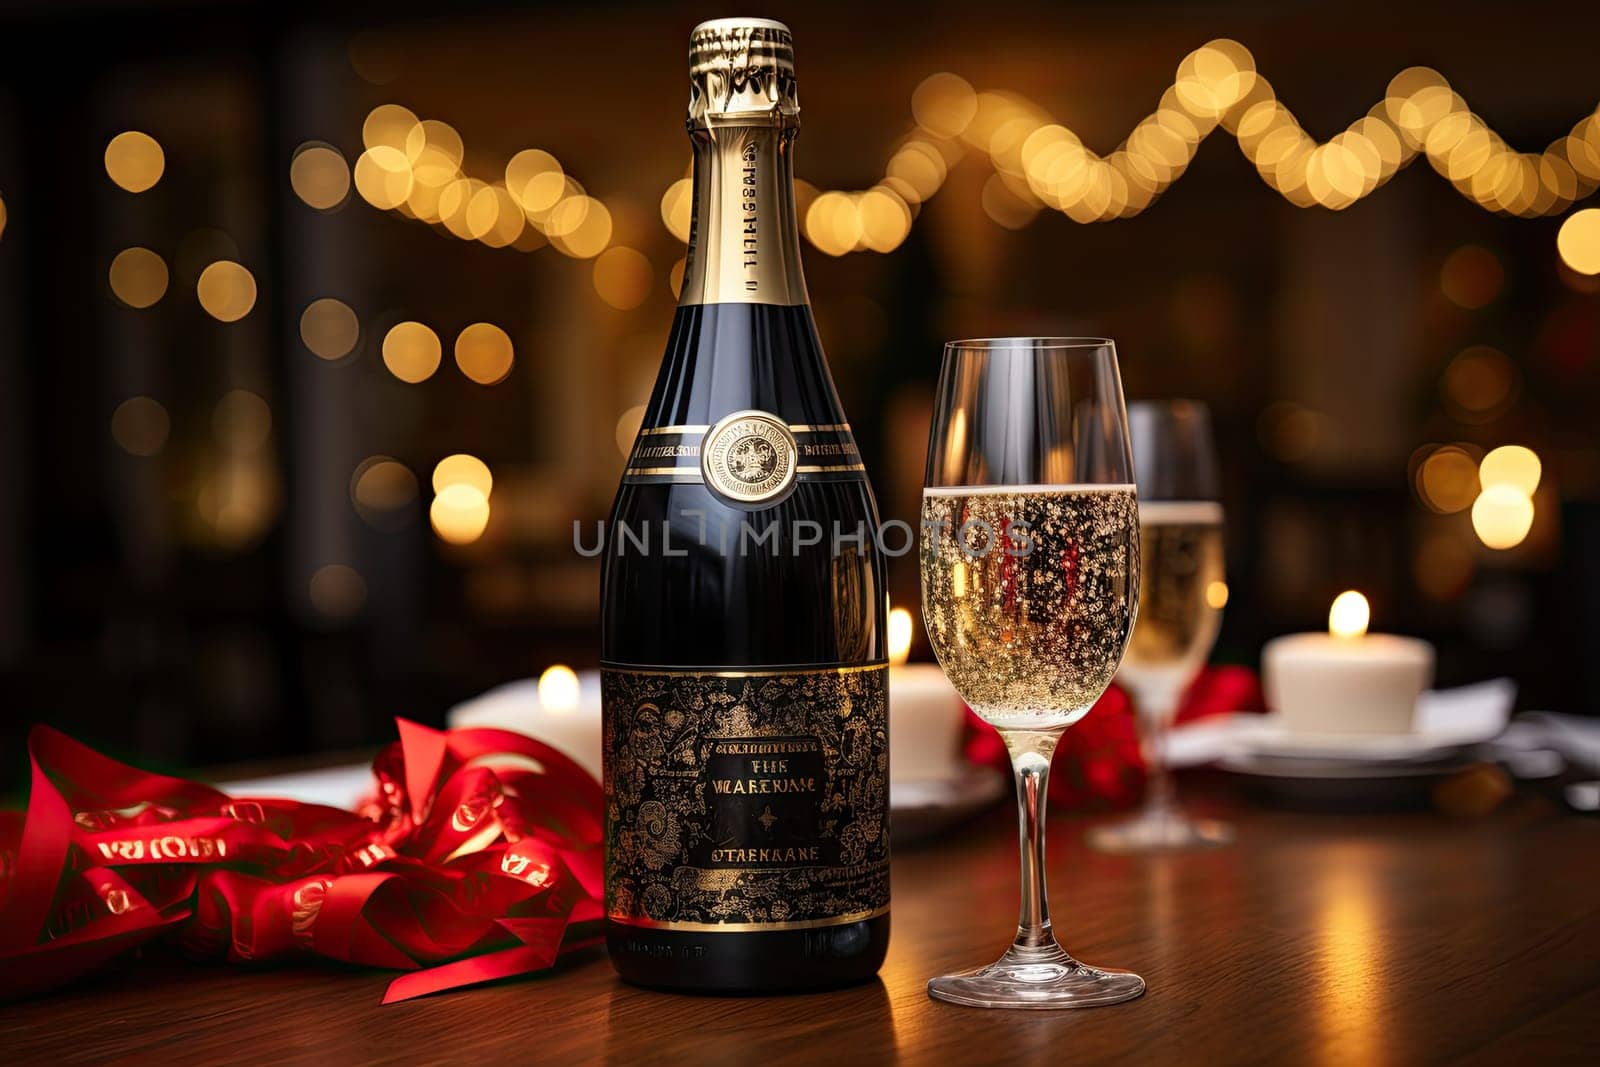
1340 939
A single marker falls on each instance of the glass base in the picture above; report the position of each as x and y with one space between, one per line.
1036 978
1159 832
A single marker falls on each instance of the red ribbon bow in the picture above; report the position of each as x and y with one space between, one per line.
477 858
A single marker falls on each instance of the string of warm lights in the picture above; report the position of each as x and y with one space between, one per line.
1039 163
413 166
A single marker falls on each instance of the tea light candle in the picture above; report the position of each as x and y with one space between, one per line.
925 713
562 709
1346 681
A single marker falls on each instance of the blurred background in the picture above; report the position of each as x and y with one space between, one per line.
266 268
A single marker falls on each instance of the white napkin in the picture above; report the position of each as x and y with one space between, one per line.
1574 738
1482 708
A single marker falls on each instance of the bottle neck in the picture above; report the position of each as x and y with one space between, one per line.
744 244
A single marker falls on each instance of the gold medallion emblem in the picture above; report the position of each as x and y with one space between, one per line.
748 457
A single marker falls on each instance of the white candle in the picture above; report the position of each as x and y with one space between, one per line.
1346 681
925 713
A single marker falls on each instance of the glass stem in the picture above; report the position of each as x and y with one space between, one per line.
1030 761
1158 780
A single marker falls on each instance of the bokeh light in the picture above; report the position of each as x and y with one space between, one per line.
138 277
454 201
463 469
319 175
140 425
623 277
383 490
1291 432
1447 479
134 161
507 223
329 328
1471 277
412 352
1502 516
944 104
227 290
885 219
390 126
1513 465
337 590
1578 241
459 514
484 353
1217 594
544 191
1002 204
237 502
242 421
434 143
919 169
522 170
580 226
833 224
1478 383
383 177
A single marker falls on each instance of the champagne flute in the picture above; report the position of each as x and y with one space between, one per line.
1181 593
1030 579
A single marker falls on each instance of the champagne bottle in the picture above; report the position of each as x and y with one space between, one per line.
742 597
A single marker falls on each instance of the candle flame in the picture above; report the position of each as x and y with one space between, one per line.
1349 615
899 636
558 689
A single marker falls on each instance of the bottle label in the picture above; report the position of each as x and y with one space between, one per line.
746 799
748 458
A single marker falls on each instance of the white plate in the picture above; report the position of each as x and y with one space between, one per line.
1265 735
1301 768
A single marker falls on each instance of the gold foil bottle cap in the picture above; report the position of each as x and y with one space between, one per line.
741 73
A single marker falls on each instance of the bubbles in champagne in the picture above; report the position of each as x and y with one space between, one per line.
1028 594
1181 558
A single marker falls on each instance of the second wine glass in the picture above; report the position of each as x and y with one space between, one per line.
1181 594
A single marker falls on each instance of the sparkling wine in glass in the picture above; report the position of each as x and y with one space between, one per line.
1030 580
1181 594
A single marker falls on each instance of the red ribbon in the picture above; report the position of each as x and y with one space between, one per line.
477 857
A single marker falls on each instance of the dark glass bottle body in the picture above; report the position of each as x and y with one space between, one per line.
713 607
